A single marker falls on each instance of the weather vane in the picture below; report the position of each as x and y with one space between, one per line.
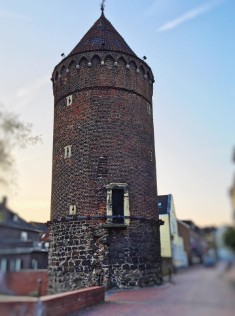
102 5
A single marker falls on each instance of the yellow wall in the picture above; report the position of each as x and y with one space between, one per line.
165 237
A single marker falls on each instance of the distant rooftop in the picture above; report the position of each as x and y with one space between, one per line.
191 224
12 219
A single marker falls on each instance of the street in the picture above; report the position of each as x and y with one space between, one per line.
198 291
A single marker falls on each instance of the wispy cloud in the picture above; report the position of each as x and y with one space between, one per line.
189 15
12 15
33 87
155 6
27 94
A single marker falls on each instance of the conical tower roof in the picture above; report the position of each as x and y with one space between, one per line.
102 36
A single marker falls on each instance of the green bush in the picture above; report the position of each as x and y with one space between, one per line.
229 238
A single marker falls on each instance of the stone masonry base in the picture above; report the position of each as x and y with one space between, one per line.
90 253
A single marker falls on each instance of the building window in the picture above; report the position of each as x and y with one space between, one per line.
18 265
3 266
15 218
67 151
12 265
72 210
118 203
69 100
149 109
24 236
173 226
34 264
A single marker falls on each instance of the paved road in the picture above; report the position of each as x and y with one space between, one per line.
196 292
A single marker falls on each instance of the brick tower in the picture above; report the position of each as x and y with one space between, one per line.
104 226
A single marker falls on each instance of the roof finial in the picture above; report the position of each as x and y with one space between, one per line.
102 6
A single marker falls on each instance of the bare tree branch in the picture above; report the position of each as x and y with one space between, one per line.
13 134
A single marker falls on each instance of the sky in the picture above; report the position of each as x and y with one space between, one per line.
190 46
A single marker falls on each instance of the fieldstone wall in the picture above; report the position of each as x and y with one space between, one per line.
134 258
76 253
90 253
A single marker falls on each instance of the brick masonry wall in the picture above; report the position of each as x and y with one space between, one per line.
15 306
63 304
26 282
107 120
101 128
137 78
110 128
72 302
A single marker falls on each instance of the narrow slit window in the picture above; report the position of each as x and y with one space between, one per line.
67 151
72 210
69 100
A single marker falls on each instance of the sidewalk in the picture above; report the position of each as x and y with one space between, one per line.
196 292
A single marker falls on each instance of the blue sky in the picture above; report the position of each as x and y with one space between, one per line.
190 47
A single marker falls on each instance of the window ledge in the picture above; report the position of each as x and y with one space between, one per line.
114 225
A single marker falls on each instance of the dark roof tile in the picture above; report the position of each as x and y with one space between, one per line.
10 219
102 36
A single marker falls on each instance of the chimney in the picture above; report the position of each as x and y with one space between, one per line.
4 201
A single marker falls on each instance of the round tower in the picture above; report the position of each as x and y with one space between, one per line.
104 226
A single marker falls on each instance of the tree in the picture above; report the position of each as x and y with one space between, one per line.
229 238
13 134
